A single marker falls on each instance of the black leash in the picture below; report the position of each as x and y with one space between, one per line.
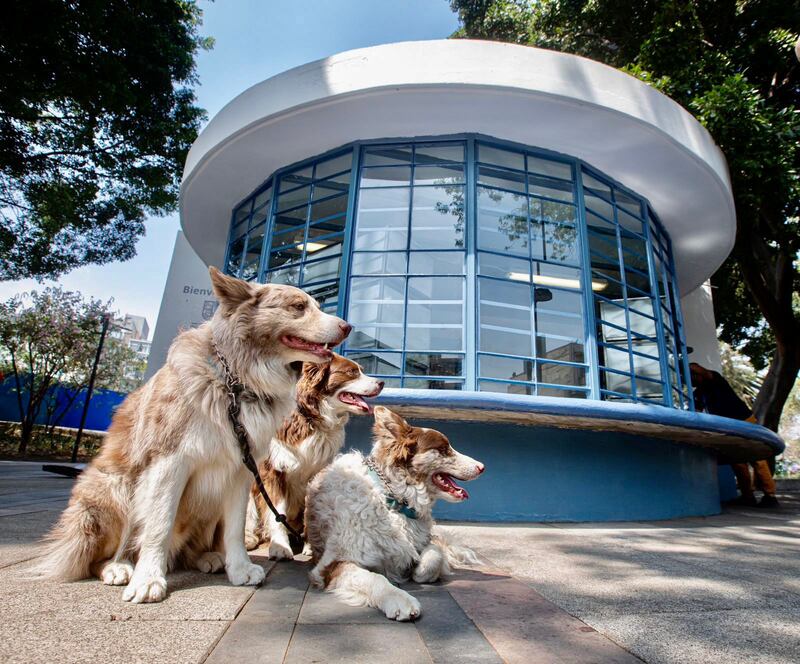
235 388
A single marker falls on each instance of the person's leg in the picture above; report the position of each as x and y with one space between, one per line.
767 483
745 483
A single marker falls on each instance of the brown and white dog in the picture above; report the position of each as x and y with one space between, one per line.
170 469
308 441
365 525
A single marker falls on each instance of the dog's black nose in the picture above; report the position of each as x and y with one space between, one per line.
481 468
380 384
346 328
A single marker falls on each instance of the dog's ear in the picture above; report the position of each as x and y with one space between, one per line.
390 422
311 387
230 291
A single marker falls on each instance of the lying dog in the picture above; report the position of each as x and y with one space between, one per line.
369 519
308 441
170 468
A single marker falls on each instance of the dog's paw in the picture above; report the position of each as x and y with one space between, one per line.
247 575
278 551
116 573
211 562
148 589
251 540
401 606
307 550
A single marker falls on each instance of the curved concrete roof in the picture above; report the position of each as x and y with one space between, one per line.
532 96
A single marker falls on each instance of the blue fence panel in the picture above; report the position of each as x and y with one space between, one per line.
101 408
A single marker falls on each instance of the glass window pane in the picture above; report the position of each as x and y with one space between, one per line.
379 263
385 176
505 317
542 186
326 188
432 384
494 177
615 382
326 294
295 178
287 275
262 199
560 374
561 243
628 222
259 217
505 388
332 225
645 366
490 155
506 368
552 211
285 255
556 169
628 203
563 350
372 336
502 222
382 219
439 153
434 364
599 205
322 270
441 175
377 300
293 198
437 218
543 391
378 363
615 358
436 262
596 186
557 276
235 256
242 213
504 267
336 165
328 208
435 301
387 154
255 243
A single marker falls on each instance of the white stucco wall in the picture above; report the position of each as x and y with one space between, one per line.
188 301
701 328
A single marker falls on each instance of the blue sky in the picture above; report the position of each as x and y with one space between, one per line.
255 39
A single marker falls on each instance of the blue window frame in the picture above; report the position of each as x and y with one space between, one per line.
475 264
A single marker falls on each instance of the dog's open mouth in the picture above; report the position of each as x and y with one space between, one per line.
447 484
320 350
356 400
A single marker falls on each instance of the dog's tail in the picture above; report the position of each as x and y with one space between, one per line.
76 541
455 554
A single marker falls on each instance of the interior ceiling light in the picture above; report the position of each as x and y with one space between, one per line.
557 282
311 247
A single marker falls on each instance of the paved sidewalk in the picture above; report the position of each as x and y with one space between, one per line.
723 589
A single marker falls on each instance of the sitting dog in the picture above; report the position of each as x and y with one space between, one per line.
307 442
170 468
370 518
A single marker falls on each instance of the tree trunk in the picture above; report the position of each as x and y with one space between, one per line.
777 385
25 436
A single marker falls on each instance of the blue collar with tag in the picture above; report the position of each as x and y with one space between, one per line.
391 502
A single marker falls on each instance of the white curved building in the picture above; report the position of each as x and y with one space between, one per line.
501 224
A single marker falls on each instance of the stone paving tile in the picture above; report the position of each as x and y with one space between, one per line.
525 628
191 596
447 631
754 636
321 608
79 641
389 643
262 631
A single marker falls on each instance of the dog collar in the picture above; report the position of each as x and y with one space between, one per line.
392 503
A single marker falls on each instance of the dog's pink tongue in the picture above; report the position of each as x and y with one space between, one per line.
453 488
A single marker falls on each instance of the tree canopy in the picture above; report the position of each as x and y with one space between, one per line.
732 63
97 113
